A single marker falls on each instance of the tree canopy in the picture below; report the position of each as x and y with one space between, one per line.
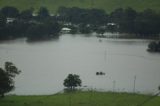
154 46
9 11
7 75
72 81
15 24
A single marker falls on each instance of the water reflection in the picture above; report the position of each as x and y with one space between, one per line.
54 39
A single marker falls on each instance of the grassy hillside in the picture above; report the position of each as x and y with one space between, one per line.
108 5
80 99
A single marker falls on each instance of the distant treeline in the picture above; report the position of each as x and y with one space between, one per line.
142 24
43 25
15 24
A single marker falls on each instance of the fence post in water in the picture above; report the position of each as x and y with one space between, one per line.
134 84
114 84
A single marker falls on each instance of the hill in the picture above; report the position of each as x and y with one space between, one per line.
108 5
89 98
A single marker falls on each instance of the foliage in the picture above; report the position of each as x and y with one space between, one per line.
72 81
2 20
26 14
148 23
43 31
84 29
100 30
74 30
43 13
26 25
9 11
154 46
125 19
6 77
144 24
83 16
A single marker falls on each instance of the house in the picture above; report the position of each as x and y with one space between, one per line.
10 20
65 30
111 24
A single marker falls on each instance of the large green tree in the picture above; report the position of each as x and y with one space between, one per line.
7 76
72 81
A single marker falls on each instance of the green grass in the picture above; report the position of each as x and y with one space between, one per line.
108 5
80 99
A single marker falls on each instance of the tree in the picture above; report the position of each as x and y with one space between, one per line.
3 20
154 46
72 81
129 16
10 11
43 13
147 23
117 16
77 15
43 31
84 29
6 77
100 30
26 14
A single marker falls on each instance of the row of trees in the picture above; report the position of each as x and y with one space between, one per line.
25 24
44 26
146 23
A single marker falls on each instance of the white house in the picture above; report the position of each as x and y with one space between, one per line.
10 20
65 30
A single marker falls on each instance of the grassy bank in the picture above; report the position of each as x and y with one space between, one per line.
80 99
108 5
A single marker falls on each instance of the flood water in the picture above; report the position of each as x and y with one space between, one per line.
46 64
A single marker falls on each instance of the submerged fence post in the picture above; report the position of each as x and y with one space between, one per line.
134 84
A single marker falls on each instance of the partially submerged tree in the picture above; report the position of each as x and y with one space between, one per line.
100 31
6 77
72 81
154 46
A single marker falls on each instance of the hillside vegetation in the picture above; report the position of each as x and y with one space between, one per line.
108 5
89 98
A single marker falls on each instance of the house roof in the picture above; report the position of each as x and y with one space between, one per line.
66 29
